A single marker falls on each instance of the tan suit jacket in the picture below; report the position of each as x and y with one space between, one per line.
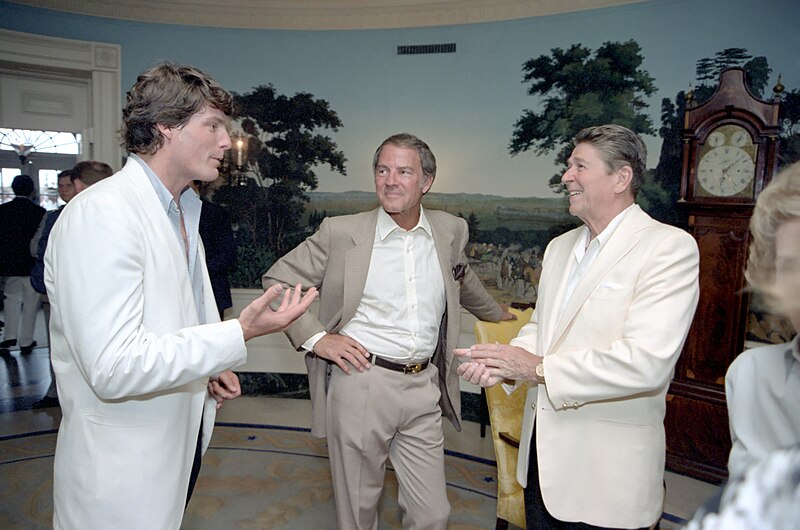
608 361
336 260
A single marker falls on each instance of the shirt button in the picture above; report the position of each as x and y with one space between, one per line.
533 406
575 405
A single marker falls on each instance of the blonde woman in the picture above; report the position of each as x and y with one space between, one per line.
763 384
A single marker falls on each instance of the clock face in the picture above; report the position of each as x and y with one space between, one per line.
727 163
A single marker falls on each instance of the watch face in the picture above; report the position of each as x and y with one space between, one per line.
727 163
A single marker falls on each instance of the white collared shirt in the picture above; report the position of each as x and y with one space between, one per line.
401 308
586 252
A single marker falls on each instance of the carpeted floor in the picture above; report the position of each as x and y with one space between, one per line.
253 476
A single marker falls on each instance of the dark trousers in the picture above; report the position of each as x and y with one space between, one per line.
198 459
536 515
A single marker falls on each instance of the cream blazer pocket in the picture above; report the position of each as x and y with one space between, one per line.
611 289
605 310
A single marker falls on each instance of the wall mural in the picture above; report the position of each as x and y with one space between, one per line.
269 183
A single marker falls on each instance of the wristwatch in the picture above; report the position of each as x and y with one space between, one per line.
540 371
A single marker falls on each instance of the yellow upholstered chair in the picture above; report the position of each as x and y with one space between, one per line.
505 416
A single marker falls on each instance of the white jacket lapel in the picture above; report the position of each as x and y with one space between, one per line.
622 241
159 227
556 282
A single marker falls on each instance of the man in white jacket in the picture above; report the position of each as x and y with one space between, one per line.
616 298
138 350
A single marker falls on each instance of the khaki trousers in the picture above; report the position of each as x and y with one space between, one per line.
381 414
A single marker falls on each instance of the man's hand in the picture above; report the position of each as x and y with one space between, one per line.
501 361
339 348
477 374
507 315
226 386
258 318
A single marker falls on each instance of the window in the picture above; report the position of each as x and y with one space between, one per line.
42 154
24 142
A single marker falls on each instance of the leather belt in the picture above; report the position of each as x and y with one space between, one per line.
408 368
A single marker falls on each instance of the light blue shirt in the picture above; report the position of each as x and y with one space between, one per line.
190 205
762 388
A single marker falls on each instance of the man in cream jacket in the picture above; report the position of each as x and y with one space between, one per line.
616 298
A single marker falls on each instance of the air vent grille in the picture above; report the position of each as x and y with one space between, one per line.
417 49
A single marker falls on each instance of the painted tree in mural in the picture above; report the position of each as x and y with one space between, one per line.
285 146
789 148
579 88
665 184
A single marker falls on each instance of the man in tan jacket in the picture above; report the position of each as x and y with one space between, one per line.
391 281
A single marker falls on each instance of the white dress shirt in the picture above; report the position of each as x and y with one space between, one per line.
586 253
401 308
762 388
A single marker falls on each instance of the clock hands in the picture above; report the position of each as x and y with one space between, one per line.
735 161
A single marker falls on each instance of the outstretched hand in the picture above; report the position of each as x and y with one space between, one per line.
478 374
498 361
259 318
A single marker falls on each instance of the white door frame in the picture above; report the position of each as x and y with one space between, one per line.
37 57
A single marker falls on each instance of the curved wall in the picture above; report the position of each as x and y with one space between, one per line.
463 104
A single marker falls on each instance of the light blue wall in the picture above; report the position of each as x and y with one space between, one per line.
464 104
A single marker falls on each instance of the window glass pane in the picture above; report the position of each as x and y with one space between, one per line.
48 181
8 174
48 189
25 141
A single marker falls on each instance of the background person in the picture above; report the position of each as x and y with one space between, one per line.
391 281
66 191
616 298
762 385
83 175
19 219
220 247
136 334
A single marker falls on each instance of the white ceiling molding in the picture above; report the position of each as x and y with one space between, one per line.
320 14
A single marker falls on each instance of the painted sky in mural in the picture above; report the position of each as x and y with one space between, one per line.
464 104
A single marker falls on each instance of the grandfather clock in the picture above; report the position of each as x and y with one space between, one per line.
729 155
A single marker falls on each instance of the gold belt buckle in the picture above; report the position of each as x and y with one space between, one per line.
414 368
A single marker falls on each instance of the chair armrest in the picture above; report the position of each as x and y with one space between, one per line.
509 438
